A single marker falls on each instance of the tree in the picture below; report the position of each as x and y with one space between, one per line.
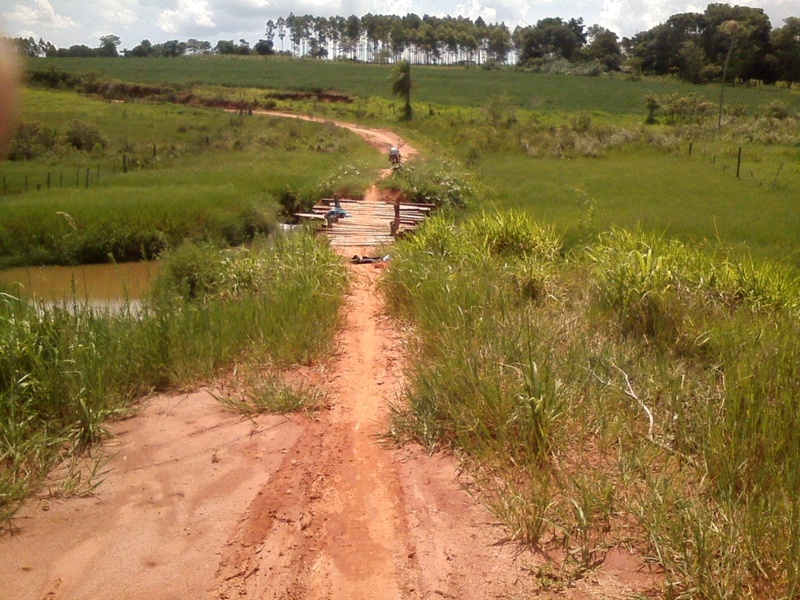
663 49
145 48
751 38
225 47
264 47
786 46
499 43
552 36
351 35
271 27
195 46
280 27
170 49
729 29
604 47
401 86
26 47
108 46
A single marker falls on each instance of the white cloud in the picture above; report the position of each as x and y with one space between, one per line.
188 15
474 9
248 4
119 12
627 17
40 13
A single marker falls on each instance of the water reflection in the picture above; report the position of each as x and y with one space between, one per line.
97 285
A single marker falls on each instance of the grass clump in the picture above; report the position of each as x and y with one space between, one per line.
271 392
645 396
66 369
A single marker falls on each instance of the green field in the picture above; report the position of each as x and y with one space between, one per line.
680 196
445 86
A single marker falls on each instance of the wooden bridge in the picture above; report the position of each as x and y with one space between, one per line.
370 222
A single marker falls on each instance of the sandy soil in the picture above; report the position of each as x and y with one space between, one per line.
200 503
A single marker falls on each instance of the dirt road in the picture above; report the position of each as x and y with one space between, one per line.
202 504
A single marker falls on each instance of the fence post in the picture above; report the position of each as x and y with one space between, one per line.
395 226
87 178
739 162
690 148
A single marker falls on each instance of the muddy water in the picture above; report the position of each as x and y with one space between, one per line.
96 284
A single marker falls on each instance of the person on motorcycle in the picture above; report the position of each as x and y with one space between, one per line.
394 155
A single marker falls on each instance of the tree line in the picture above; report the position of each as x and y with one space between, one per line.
693 46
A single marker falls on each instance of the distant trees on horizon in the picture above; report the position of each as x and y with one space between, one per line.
692 46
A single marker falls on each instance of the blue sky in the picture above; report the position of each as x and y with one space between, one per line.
68 22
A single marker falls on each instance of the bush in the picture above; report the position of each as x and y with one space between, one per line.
442 182
85 136
32 139
777 110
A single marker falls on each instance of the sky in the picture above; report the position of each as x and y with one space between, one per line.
68 22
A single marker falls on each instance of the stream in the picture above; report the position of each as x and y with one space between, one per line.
97 285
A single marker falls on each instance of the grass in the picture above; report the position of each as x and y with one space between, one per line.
636 391
193 174
643 187
269 392
65 369
451 86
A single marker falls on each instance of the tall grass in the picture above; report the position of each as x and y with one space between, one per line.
633 391
65 369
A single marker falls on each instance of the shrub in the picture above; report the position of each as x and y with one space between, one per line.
441 182
32 139
85 136
776 110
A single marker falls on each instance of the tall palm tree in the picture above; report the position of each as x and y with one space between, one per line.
401 85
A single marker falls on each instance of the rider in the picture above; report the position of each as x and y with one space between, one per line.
394 155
